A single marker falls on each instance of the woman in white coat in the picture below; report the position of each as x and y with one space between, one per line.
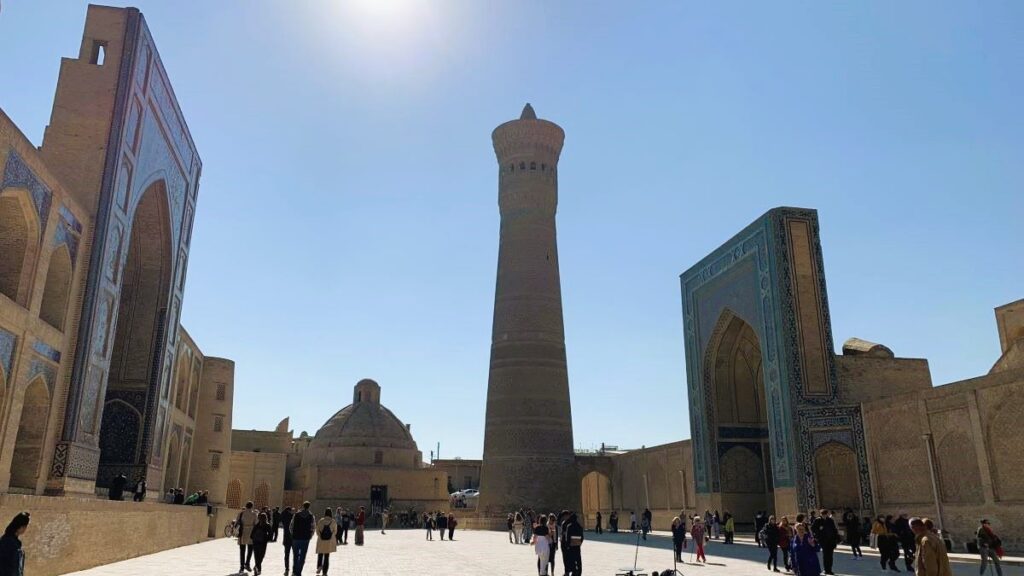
326 541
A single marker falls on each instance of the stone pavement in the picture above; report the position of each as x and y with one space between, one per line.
406 553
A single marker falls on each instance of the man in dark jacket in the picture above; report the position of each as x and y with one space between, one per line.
563 524
286 523
906 539
275 523
826 532
303 527
117 487
573 541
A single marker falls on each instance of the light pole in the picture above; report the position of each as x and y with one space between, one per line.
931 473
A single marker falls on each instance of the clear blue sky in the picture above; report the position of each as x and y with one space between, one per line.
348 221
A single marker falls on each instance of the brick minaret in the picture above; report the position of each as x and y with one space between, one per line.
528 448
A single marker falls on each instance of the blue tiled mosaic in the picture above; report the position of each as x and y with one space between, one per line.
7 343
69 217
46 351
40 367
17 174
65 234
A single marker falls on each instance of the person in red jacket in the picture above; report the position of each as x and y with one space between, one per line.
360 524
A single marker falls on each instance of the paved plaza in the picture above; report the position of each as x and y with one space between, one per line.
479 553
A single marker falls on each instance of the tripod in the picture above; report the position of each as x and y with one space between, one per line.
636 554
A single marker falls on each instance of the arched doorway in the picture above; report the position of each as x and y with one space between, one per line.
835 466
58 285
740 420
28 447
596 491
19 240
262 496
138 339
171 463
234 495
186 457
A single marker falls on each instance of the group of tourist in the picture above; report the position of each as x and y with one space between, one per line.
120 482
548 533
441 522
177 496
299 527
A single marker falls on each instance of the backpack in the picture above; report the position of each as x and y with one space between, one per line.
325 532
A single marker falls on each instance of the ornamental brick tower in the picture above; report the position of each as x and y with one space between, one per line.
528 449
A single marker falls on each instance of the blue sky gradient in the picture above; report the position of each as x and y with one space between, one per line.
347 224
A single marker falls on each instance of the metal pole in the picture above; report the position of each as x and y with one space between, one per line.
931 472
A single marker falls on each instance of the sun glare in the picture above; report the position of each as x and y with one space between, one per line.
384 40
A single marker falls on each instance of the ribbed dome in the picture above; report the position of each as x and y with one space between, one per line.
365 422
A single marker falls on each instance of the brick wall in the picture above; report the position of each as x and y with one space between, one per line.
70 534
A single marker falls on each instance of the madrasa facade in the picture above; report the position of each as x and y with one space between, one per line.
98 379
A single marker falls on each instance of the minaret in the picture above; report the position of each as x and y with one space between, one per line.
528 448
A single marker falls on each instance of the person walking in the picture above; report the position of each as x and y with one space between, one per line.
12 556
360 524
541 545
326 543
888 545
758 525
730 527
905 539
932 558
517 526
275 523
678 537
303 527
826 533
262 533
452 523
246 521
990 547
613 521
384 517
805 553
343 523
699 534
553 537
786 534
597 527
428 523
852 525
769 537
286 536
442 524
645 522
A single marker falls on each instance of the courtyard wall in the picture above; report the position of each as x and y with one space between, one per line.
70 534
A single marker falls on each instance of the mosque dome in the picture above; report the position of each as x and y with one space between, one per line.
364 433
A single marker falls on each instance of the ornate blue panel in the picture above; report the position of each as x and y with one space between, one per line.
70 219
752 248
68 229
8 342
46 351
787 304
40 367
17 174
842 424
